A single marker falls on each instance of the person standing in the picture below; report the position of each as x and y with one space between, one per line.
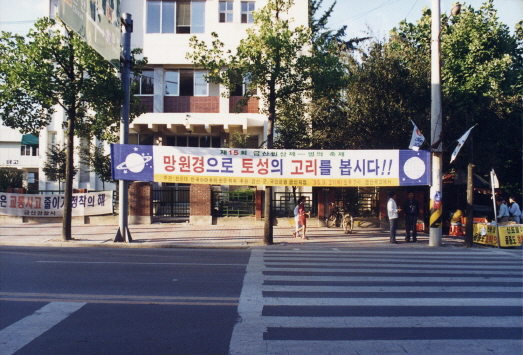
301 218
392 211
411 209
514 210
503 211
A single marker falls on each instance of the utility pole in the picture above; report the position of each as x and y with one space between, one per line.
436 203
436 125
123 234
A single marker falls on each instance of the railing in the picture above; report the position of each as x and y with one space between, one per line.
233 203
171 202
283 204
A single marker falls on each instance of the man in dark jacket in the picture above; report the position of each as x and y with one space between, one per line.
411 209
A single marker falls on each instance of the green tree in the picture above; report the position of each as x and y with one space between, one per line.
55 167
482 76
278 58
94 156
11 178
53 67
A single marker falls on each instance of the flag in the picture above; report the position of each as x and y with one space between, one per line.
494 180
417 138
461 141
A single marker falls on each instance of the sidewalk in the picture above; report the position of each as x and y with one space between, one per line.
183 235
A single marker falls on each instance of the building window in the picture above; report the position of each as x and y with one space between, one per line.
247 10
190 16
160 16
226 11
184 16
29 150
241 89
192 83
141 139
172 80
143 84
193 141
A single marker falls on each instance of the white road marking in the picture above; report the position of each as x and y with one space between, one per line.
252 326
247 336
394 322
392 347
456 280
368 289
21 333
372 270
427 302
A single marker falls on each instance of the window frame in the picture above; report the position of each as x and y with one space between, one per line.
140 80
163 20
194 82
226 12
157 24
176 83
246 13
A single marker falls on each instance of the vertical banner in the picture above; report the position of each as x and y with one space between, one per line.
222 166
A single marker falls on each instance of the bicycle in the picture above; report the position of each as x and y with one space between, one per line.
347 223
335 219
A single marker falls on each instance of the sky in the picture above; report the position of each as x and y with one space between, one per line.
380 16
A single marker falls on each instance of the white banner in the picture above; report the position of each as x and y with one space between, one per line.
231 166
84 204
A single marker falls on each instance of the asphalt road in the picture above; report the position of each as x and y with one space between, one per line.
121 301
290 300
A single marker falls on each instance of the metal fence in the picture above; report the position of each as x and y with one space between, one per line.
233 203
171 202
283 204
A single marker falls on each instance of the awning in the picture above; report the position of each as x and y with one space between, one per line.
29 139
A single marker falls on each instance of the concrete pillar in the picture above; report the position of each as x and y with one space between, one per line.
140 203
201 200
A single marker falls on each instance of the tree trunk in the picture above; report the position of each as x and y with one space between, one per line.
268 227
69 174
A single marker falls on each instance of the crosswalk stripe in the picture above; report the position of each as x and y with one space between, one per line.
366 302
456 280
370 289
429 302
21 333
385 322
312 268
389 347
404 265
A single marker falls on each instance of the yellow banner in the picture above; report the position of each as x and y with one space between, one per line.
248 181
509 236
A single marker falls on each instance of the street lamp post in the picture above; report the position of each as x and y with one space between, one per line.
436 123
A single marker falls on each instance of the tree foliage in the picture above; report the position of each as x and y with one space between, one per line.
53 67
11 178
98 161
282 61
482 75
55 166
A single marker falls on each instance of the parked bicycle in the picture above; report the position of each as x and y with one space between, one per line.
347 223
338 218
335 218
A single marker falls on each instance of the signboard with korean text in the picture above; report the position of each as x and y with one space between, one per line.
27 205
97 22
510 235
224 166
